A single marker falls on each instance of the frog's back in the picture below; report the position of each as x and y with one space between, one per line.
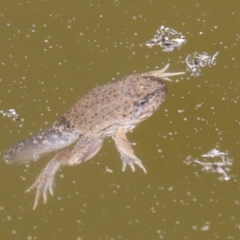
101 111
100 108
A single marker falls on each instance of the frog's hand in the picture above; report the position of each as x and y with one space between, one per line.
45 142
127 154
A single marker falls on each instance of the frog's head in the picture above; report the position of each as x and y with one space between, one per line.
147 92
150 92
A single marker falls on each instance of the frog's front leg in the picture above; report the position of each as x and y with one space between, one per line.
127 154
83 150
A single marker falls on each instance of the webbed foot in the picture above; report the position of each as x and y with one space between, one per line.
45 182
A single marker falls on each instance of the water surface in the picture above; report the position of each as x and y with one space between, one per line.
53 52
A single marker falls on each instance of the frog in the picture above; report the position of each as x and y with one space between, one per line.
110 110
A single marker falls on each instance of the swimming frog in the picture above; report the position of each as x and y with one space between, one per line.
109 110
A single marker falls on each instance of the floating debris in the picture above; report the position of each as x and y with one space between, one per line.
214 153
222 167
167 38
11 113
196 61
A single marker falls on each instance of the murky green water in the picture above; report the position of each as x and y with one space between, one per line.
53 52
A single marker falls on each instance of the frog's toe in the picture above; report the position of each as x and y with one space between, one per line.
42 185
45 182
142 167
125 163
131 162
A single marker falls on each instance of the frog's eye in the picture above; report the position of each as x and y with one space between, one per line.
142 102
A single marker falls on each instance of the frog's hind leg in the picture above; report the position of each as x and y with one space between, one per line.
83 150
45 142
163 74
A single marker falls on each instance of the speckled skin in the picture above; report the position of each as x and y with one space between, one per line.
110 110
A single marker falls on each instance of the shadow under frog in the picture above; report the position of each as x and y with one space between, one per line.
110 110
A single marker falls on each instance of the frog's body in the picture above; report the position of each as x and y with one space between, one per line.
110 110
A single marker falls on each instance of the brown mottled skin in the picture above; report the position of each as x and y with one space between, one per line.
110 110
